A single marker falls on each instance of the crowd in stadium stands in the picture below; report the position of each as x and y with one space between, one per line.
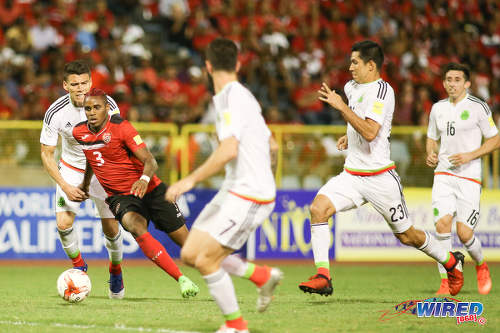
148 54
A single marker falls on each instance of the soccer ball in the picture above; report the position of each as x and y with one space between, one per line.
73 285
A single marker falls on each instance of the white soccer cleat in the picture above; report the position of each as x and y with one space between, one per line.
225 329
267 290
118 295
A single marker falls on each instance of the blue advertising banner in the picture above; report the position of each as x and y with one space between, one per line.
28 226
287 233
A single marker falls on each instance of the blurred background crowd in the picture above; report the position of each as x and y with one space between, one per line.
148 54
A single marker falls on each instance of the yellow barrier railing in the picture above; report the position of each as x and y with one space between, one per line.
180 160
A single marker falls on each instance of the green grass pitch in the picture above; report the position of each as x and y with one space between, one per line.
362 293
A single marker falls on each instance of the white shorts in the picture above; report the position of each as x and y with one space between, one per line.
96 192
457 197
230 219
383 191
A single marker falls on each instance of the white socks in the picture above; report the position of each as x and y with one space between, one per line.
115 247
473 246
69 241
221 288
234 265
434 249
320 239
445 241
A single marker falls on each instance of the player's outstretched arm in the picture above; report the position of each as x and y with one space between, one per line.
227 151
431 147
150 166
487 147
50 165
368 128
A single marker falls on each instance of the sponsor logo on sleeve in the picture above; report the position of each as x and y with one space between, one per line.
378 107
227 118
137 139
490 120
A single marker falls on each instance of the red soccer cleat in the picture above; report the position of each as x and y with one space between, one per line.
317 284
444 288
455 274
483 279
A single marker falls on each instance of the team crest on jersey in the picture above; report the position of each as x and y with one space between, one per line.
465 115
106 137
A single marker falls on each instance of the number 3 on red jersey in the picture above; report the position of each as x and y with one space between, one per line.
98 158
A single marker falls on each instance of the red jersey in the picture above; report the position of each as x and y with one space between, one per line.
111 155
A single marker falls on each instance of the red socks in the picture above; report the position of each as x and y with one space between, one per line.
451 262
157 253
260 275
78 261
324 271
237 323
115 269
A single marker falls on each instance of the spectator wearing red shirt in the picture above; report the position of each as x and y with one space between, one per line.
8 105
169 87
197 95
10 11
305 97
423 105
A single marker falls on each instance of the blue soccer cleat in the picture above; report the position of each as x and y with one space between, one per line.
116 288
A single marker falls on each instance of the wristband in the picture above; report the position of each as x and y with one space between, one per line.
146 178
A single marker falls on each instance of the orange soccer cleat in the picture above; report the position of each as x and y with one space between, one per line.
317 284
483 279
444 288
455 274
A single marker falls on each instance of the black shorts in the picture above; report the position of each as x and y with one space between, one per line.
165 215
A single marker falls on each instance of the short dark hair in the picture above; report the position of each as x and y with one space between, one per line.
453 66
369 50
222 53
77 67
96 92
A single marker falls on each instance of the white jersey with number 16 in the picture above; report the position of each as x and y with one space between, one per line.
460 128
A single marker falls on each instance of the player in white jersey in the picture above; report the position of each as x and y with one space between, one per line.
59 120
369 174
459 123
246 197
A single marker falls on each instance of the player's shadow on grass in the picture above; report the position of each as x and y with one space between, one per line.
462 292
321 301
142 299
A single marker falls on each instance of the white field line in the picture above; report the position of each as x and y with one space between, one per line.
115 327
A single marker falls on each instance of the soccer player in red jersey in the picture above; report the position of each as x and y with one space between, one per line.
58 124
125 168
